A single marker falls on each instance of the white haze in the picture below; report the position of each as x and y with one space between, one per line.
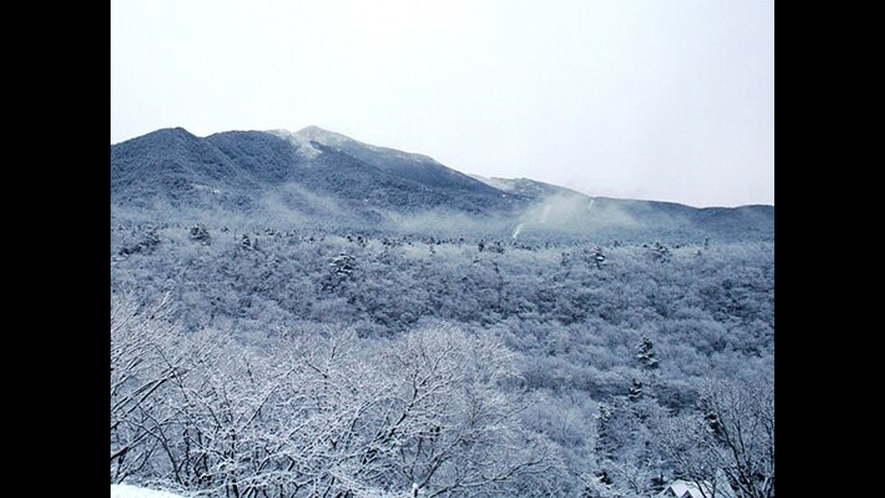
644 99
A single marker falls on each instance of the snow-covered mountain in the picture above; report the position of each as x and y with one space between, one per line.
319 177
235 169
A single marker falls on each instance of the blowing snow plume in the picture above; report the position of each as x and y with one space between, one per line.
577 214
440 222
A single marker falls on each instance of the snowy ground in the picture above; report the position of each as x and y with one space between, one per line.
127 491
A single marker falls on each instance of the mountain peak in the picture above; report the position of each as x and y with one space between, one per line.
329 138
316 133
302 139
163 134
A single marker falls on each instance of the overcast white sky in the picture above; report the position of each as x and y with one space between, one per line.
651 99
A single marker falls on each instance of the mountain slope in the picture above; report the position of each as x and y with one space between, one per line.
415 167
268 159
563 209
181 168
178 167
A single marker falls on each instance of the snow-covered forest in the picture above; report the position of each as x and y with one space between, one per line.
288 363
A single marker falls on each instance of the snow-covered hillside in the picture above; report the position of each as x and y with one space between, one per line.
127 491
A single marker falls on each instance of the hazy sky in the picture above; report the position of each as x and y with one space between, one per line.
651 99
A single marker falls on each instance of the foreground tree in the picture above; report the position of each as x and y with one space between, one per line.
732 435
423 414
155 368
141 370
460 432
740 418
320 413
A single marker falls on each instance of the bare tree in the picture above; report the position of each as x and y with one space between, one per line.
459 432
740 421
731 435
423 414
323 413
140 370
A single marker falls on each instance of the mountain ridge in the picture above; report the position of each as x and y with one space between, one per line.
245 172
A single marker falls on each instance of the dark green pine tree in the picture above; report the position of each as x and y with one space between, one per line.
646 355
635 391
341 267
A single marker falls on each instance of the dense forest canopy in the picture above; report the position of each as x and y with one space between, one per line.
604 344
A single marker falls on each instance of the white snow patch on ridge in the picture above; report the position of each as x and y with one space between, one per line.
302 141
303 138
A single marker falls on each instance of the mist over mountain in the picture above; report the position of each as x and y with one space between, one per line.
315 176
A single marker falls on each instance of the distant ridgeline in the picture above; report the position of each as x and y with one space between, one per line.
316 179
307 272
